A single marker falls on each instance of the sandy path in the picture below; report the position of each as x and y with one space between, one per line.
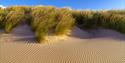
97 46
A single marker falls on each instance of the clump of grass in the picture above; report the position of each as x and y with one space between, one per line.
23 9
3 14
16 15
44 19
121 12
111 19
78 17
66 22
13 19
84 19
115 22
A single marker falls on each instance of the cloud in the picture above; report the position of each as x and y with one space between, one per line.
2 6
68 7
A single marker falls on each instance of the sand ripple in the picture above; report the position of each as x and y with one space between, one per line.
91 47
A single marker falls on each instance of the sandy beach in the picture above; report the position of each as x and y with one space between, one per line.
95 46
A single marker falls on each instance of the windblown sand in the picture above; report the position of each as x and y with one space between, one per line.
95 46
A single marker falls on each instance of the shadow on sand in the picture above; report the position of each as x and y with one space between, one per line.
97 34
24 34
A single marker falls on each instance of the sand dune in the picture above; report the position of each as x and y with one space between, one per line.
95 46
19 34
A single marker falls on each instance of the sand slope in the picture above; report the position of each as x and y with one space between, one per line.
19 34
96 46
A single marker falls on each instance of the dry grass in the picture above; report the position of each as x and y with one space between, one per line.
45 19
112 19
48 19
3 14
13 19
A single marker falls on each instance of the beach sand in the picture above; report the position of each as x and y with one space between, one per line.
95 46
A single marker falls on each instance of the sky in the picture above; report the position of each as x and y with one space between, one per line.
75 4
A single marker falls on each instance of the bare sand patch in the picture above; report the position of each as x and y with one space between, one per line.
97 46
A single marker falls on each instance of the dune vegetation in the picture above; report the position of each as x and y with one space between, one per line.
49 20
45 20
3 14
110 19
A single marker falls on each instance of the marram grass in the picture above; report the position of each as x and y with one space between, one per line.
3 14
43 19
66 22
113 19
47 19
12 20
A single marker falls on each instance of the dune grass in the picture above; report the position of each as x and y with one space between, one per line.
16 15
13 19
84 19
112 19
45 20
66 22
3 14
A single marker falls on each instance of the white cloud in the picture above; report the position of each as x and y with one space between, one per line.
2 6
68 7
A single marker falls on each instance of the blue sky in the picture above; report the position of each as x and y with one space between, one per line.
75 4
